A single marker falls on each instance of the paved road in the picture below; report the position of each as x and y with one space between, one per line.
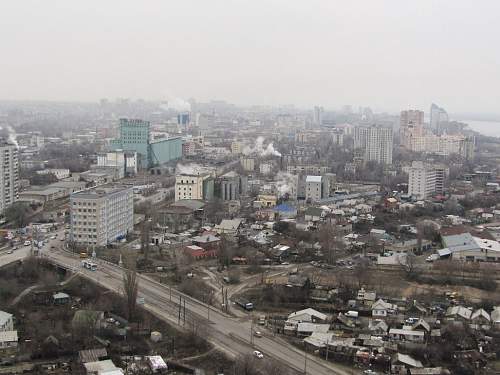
231 334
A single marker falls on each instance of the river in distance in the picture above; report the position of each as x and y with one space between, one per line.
489 128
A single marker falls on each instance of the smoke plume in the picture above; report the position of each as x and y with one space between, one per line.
259 149
188 169
11 135
285 183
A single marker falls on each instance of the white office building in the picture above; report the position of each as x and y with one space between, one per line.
9 175
425 180
101 215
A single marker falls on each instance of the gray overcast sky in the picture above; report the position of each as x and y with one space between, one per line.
386 54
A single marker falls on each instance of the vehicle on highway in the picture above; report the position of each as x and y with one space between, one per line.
257 334
83 255
10 251
27 243
244 303
89 265
258 354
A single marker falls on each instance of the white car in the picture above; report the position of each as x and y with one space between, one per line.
258 354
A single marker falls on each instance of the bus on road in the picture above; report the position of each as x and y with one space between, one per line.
89 265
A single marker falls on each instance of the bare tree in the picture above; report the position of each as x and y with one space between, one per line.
246 365
331 241
226 251
130 288
145 241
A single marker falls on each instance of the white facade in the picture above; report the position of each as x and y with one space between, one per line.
6 321
124 161
58 172
425 180
9 175
314 188
101 215
377 143
189 186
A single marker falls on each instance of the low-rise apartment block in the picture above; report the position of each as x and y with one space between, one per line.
101 215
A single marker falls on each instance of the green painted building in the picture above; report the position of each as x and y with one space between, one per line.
135 136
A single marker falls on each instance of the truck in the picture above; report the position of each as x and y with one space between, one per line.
245 304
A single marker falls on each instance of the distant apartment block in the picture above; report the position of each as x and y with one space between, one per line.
9 175
101 215
376 142
438 118
425 180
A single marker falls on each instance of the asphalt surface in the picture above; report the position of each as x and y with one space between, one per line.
233 335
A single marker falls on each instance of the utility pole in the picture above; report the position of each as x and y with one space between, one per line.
305 361
180 307
251 331
327 347
184 312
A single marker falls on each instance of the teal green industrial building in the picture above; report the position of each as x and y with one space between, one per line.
135 136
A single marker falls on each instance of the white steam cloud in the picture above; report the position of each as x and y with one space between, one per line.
12 136
285 183
188 168
259 149
176 104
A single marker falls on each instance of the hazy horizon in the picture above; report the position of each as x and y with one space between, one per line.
388 55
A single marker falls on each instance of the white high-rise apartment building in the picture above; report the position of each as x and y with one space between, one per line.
425 180
377 142
101 215
9 175
318 115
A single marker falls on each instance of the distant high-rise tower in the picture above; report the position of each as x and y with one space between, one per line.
377 142
438 118
9 175
318 116
411 125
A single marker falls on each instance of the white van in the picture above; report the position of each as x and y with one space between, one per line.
352 314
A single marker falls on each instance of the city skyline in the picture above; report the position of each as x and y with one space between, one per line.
286 52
